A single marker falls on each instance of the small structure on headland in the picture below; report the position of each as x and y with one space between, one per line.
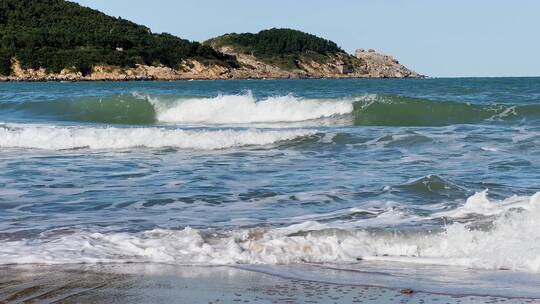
344 67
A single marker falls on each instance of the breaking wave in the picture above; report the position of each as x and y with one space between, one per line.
240 109
369 110
510 242
61 138
222 109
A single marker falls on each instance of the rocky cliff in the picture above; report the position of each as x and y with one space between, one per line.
366 64
340 65
190 69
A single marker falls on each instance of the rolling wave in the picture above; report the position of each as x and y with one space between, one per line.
405 111
224 109
62 138
118 109
369 110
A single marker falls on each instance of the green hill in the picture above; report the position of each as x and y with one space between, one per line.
276 42
278 46
56 34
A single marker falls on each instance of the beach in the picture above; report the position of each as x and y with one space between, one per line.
225 284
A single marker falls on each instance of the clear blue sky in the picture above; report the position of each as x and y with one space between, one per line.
433 37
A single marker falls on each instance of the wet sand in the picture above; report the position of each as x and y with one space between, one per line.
144 283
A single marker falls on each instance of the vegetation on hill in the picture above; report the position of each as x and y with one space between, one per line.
57 34
276 41
282 47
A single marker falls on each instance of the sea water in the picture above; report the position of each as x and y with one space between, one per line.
442 172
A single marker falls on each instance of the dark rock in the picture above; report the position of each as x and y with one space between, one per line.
407 291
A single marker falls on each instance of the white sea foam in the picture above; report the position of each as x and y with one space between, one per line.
240 109
58 138
479 204
512 243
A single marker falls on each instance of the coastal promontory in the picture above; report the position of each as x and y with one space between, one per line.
57 40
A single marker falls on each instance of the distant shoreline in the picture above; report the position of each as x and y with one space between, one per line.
59 80
194 70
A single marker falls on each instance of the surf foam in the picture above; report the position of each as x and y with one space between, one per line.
511 243
241 109
479 204
60 138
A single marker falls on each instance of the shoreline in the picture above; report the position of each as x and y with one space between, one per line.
60 80
3 80
160 283
251 68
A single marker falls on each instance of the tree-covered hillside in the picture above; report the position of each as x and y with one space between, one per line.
57 34
281 47
277 42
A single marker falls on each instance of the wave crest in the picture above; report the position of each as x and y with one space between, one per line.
241 109
367 110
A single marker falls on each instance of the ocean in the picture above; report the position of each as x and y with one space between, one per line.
371 175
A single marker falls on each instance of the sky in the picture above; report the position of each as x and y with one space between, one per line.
457 38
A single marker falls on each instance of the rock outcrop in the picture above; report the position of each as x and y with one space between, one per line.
368 64
190 69
383 66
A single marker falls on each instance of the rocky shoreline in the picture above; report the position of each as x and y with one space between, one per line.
365 64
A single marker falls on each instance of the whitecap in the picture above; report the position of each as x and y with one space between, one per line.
243 109
51 137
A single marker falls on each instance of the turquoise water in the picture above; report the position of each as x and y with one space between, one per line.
433 171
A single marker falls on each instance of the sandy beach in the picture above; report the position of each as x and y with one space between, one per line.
151 283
